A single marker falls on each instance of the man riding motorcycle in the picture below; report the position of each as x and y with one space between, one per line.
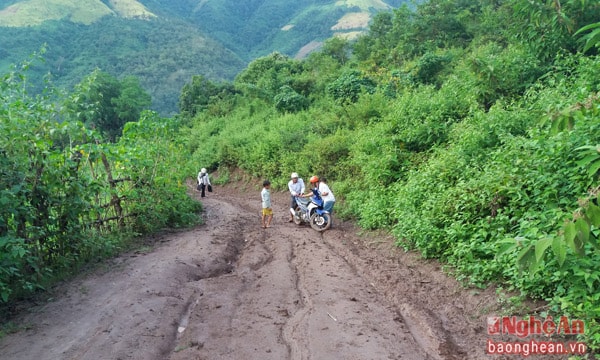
324 191
321 187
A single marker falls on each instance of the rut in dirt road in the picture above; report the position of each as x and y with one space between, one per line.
291 298
130 309
230 290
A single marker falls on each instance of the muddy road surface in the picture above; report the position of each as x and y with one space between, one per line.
229 289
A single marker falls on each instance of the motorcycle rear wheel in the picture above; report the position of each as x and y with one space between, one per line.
320 222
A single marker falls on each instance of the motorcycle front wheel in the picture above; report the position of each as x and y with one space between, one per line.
320 222
297 217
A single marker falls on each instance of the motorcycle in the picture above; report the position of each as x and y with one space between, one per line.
311 211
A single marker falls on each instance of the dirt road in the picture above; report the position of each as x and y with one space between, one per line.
231 290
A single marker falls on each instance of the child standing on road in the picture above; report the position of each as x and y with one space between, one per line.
267 211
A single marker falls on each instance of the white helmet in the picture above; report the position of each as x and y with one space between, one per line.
203 170
294 175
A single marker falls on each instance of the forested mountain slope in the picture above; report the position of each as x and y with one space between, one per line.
164 43
122 38
256 28
35 12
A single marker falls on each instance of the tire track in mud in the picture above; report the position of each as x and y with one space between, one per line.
234 319
294 327
367 328
350 295
425 335
229 227
425 323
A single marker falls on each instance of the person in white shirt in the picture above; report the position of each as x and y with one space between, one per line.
203 181
326 195
296 186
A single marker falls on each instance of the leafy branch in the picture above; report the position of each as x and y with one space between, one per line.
593 38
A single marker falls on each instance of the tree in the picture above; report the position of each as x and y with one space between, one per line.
288 100
131 101
348 87
265 76
195 95
337 48
198 94
378 38
104 103
548 26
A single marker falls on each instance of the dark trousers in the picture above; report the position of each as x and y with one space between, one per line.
292 202
202 187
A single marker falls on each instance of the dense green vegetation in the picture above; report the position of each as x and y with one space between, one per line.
68 196
468 129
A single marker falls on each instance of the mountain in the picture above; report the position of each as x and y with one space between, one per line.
165 42
35 12
254 28
163 53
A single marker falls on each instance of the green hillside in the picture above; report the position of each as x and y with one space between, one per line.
35 12
163 54
257 28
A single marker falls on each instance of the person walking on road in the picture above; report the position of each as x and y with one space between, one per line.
203 182
296 186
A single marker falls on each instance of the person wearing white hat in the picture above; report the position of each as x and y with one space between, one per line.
296 186
203 182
